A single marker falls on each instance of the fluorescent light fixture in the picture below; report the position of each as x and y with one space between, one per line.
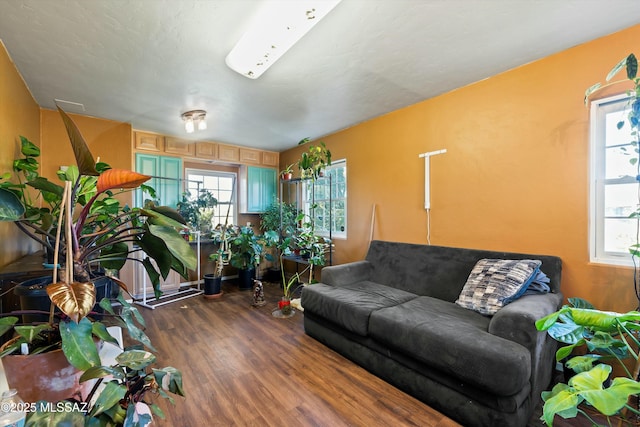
193 119
276 27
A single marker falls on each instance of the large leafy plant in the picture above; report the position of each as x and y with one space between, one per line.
606 339
96 231
103 232
198 210
246 248
119 395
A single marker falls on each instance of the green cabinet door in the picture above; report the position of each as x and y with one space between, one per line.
167 178
171 185
261 188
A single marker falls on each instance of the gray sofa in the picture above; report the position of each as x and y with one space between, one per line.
395 315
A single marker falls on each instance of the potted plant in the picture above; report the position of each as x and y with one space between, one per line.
287 173
606 339
97 231
102 230
312 247
198 211
221 235
277 222
314 160
246 251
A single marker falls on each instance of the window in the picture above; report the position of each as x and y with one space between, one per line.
221 185
614 188
329 195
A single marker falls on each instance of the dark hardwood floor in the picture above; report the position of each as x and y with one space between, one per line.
243 367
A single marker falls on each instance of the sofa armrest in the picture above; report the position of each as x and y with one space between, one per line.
346 274
516 321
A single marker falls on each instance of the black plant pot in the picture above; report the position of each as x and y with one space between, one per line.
33 296
212 284
245 278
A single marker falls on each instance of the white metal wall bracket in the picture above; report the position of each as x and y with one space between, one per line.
427 173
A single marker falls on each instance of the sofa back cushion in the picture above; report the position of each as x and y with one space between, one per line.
440 271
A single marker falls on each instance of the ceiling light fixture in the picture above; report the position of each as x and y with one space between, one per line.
276 27
194 119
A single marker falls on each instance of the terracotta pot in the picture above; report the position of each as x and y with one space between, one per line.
287 176
46 376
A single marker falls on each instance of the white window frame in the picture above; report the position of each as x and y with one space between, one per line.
598 181
342 163
221 207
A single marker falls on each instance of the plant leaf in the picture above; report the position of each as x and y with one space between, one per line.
157 250
176 244
138 415
99 330
632 66
169 379
75 300
29 332
101 372
43 184
120 178
136 359
48 416
78 345
114 256
562 401
111 396
617 68
11 208
84 158
28 148
610 400
6 324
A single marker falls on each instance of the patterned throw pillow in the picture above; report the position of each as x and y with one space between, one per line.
494 283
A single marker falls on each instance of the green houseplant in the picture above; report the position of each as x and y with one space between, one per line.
103 232
314 160
287 173
312 246
198 211
221 235
277 222
606 339
246 252
97 231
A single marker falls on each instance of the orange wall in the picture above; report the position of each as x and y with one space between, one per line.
514 178
19 115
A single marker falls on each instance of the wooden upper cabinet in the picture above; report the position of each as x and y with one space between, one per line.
269 158
249 155
152 142
228 153
149 141
179 146
207 150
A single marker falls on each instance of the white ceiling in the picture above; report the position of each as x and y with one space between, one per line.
147 61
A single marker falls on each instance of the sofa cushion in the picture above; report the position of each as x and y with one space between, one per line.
493 283
350 306
455 340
